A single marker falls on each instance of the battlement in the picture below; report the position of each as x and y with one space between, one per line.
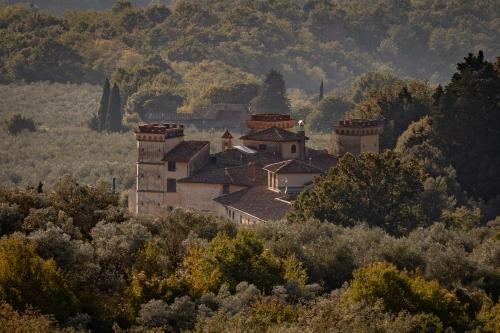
357 136
360 123
359 127
270 117
267 120
158 132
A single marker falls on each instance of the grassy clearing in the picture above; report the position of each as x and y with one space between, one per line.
63 145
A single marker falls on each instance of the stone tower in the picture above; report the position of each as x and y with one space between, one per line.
153 142
356 136
227 140
262 121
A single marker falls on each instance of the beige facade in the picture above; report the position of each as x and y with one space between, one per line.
356 137
237 215
200 196
286 150
156 178
277 181
164 158
295 180
290 150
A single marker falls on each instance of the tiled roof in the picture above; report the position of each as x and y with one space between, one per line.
241 175
185 150
257 201
292 166
321 159
273 134
235 157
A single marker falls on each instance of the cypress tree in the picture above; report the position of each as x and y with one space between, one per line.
39 188
114 114
321 91
272 95
103 107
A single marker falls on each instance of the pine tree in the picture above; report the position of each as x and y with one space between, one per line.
103 107
114 114
321 91
465 120
272 95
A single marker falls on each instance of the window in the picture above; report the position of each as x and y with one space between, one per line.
293 149
171 185
262 147
241 219
171 166
233 215
225 189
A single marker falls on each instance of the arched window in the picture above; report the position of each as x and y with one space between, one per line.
294 149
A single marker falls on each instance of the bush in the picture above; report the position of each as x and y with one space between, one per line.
18 123
399 291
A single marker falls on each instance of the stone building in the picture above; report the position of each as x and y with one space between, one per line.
356 136
254 182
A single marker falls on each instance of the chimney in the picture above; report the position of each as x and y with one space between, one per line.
302 140
251 171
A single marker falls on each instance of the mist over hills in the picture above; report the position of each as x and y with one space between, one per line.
306 41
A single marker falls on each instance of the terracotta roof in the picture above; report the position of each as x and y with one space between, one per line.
257 201
321 159
273 134
185 150
292 166
240 175
226 135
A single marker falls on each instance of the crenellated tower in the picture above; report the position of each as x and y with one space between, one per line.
356 136
154 141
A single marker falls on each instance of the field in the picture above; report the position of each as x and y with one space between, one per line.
63 145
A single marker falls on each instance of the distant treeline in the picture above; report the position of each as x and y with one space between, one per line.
58 7
306 40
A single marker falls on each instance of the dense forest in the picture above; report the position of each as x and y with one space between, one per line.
407 240
404 241
192 51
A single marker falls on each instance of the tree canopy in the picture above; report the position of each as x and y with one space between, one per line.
382 190
466 118
272 96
